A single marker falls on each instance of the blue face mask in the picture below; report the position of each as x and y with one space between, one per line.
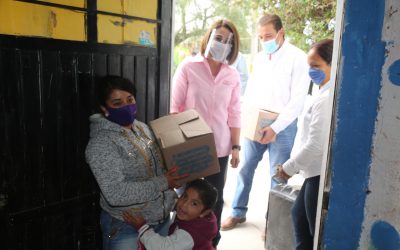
270 46
316 75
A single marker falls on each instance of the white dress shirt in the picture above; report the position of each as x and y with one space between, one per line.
308 158
279 83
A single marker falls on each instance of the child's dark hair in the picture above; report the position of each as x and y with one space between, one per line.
105 85
207 192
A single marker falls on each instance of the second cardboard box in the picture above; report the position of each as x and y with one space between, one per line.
256 119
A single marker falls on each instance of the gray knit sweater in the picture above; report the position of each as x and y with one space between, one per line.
129 173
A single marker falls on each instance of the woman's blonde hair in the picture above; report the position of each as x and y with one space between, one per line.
231 58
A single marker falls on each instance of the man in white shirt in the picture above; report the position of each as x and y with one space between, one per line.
279 83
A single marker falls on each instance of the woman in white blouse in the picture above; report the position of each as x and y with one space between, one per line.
308 160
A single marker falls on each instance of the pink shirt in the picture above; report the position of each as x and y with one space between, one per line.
216 100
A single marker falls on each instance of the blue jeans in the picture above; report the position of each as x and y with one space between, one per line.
118 235
279 152
304 212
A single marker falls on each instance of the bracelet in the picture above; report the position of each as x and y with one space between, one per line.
236 147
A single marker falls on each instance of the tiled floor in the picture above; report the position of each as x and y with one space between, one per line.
249 234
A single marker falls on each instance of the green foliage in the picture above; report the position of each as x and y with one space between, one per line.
298 16
239 15
305 21
180 52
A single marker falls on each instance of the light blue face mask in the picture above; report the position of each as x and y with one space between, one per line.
271 46
316 75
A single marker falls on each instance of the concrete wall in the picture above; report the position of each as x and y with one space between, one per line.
381 223
364 206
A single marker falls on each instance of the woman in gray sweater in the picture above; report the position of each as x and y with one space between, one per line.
127 164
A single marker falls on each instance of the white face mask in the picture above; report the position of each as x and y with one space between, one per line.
216 49
220 51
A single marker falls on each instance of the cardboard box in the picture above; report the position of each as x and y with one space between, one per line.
254 120
187 142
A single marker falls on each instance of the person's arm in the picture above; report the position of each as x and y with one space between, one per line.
179 89
298 93
234 120
269 135
310 154
178 240
235 138
107 167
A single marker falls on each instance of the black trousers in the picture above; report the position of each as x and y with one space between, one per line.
218 180
304 212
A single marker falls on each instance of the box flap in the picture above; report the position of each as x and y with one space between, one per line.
171 138
195 128
269 113
177 128
162 125
186 116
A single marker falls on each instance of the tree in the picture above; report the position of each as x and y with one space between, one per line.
305 21
193 18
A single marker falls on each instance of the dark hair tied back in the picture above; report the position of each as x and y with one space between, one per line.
324 49
107 84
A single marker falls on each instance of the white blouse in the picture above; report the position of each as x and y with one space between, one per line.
308 158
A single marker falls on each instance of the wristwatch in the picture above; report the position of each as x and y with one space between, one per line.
236 147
